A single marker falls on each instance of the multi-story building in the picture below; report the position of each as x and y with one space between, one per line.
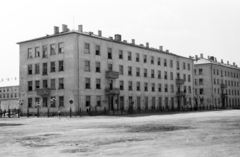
101 72
216 83
9 93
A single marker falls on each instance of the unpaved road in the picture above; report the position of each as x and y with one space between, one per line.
200 134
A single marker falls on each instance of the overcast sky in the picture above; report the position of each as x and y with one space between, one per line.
184 27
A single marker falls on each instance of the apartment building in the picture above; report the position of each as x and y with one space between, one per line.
104 73
9 93
216 83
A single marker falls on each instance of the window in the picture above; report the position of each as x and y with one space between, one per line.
120 54
153 102
129 56
52 49
152 73
189 78
172 88
130 85
178 65
121 85
87 48
200 81
87 65
60 47
120 69
60 66
52 66
159 87
110 68
201 91
30 69
184 77
137 57
45 83
159 61
145 86
53 85
37 52
144 58
30 88
171 63
29 102
37 84
152 60
98 67
88 102
146 102
45 53
184 66
138 72
98 83
30 53
159 74
166 88
61 101
109 53
37 69
129 71
138 86
189 68
171 75
153 87
145 72
97 51
44 68
200 71
53 104
165 62
87 83
185 89
98 100
165 75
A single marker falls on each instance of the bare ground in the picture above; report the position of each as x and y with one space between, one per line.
202 134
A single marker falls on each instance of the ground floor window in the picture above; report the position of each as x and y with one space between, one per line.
166 102
122 102
153 102
160 102
146 102
45 102
61 101
88 102
98 100
29 102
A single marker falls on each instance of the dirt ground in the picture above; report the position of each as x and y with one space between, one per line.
197 134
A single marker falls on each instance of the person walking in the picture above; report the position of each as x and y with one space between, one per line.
59 113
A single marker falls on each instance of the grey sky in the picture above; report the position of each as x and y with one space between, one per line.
184 27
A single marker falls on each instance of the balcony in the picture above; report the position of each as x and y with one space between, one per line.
180 81
180 94
112 74
224 95
223 85
43 91
113 91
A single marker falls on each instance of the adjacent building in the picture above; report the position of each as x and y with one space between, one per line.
102 73
9 93
216 83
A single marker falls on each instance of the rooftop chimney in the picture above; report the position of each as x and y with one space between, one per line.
64 28
118 37
147 45
80 28
196 57
133 41
56 30
221 60
99 33
161 48
111 38
167 51
208 57
215 59
227 62
233 63
201 55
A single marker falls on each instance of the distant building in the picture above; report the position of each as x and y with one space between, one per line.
9 93
216 83
101 72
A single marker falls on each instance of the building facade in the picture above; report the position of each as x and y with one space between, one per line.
9 94
104 73
216 83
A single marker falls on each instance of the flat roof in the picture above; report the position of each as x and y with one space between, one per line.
90 34
202 61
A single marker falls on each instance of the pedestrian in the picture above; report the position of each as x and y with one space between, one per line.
59 113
